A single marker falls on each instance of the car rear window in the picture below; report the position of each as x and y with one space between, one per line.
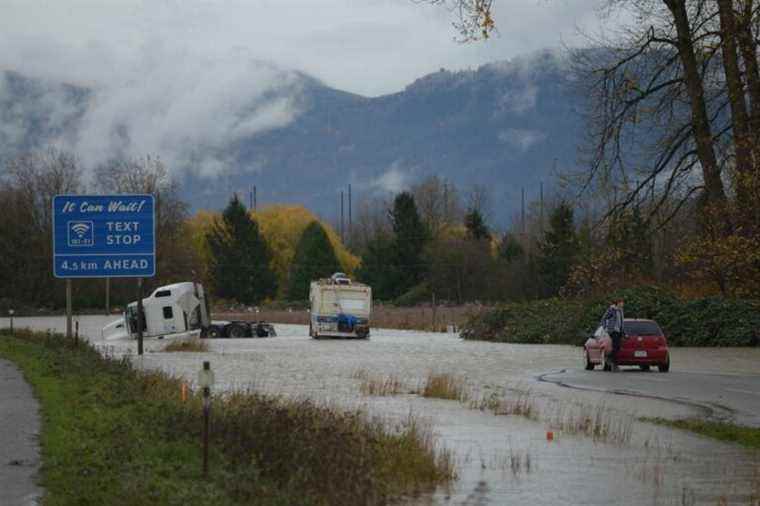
642 329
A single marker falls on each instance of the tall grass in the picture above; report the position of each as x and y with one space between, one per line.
597 422
115 435
520 404
190 345
378 385
444 386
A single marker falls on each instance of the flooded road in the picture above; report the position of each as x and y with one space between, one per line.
600 453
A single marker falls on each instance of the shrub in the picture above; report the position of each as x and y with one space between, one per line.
713 321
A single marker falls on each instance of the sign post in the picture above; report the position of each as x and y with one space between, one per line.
68 309
104 236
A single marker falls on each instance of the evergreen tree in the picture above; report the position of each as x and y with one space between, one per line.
377 268
315 258
476 225
240 257
558 249
411 236
510 248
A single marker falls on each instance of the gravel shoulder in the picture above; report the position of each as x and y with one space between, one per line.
19 447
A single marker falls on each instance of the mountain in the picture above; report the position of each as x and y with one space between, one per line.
502 126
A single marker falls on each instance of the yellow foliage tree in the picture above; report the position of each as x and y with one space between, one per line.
282 226
198 226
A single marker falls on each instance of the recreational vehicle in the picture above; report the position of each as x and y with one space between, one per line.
339 308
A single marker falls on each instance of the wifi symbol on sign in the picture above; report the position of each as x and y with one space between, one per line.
80 229
81 233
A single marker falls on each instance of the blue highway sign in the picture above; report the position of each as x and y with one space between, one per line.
104 236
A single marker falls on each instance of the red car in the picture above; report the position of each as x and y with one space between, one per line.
643 344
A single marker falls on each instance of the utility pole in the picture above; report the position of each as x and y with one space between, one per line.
250 199
254 198
541 209
522 215
342 239
350 222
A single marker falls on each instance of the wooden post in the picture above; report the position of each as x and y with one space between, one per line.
68 308
139 317
108 296
434 311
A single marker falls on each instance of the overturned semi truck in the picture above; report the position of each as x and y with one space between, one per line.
339 308
180 308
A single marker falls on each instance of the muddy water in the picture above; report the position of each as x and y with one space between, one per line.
499 459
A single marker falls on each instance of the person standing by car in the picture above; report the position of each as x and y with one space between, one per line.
612 321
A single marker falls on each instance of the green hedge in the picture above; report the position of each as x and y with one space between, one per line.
713 321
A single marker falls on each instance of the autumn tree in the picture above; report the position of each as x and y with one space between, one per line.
282 226
438 203
314 259
240 258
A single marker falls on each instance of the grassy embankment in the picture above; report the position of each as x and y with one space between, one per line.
114 435
701 322
723 431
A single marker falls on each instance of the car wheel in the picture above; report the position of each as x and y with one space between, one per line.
236 331
644 367
666 366
589 365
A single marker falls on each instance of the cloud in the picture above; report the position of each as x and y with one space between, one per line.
521 139
394 180
185 79
189 112
370 47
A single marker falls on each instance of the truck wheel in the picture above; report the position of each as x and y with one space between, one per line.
235 331
213 332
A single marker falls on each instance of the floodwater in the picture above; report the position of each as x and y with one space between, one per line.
499 459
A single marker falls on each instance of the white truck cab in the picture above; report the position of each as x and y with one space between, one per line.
170 309
339 308
179 309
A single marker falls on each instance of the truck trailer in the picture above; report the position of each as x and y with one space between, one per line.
339 308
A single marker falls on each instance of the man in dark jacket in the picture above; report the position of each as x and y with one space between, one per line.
612 321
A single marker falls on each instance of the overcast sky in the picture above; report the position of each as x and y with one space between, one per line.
369 47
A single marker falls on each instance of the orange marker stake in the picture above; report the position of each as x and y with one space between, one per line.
184 391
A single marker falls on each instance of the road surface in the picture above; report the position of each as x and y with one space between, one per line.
19 449
732 397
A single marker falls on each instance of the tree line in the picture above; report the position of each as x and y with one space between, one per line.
430 243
